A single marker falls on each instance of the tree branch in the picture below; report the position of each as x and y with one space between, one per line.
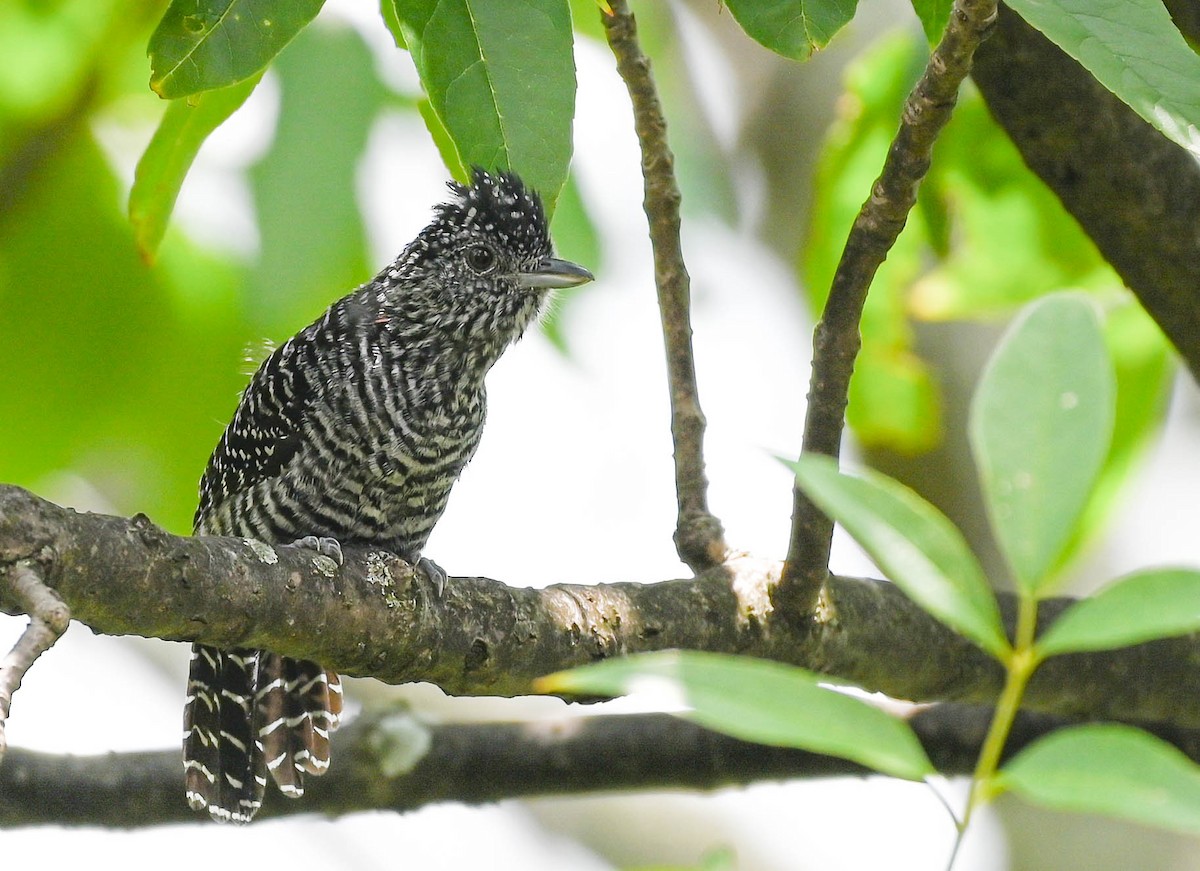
375 617
1134 192
699 536
48 619
836 341
390 760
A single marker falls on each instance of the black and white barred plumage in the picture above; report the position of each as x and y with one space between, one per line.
354 430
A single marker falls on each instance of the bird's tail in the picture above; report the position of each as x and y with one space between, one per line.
249 712
223 769
297 705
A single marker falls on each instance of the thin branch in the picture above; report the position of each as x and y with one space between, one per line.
48 619
1134 192
836 340
390 760
374 617
699 536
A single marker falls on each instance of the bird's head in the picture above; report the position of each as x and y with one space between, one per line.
485 259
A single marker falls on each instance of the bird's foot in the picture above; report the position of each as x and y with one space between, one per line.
323 545
435 573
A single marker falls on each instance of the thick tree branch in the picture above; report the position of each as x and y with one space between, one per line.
699 536
374 617
390 760
836 341
1135 193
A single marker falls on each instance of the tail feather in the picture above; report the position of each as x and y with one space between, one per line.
223 770
297 707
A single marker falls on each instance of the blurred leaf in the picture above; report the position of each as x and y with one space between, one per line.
1158 603
575 238
1008 239
894 400
913 543
792 28
108 382
1040 428
760 701
934 15
1113 770
201 45
314 247
1133 49
501 77
168 157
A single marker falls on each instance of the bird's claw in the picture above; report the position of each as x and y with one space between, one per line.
435 573
323 545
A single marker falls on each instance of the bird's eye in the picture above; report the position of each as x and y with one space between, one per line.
481 258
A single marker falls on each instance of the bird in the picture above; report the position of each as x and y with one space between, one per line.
352 432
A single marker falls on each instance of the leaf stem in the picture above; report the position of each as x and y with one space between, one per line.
1020 667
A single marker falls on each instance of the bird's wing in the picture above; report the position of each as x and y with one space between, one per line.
264 434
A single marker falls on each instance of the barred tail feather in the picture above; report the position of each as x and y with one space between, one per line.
297 706
223 767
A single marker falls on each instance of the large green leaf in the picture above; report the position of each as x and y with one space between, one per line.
1141 607
501 78
164 165
1040 426
760 701
201 45
1113 770
914 544
1133 49
792 28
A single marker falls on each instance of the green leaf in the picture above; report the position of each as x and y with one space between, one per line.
201 45
1133 49
501 78
914 544
792 28
1152 604
164 165
1041 421
1113 770
760 701
934 15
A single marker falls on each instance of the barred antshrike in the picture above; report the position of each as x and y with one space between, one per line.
353 432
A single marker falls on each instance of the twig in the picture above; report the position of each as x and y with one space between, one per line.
836 340
374 617
48 619
476 763
699 536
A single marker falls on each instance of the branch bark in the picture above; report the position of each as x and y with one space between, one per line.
389 760
699 536
48 619
375 617
1134 192
836 341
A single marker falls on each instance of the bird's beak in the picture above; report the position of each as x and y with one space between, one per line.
552 272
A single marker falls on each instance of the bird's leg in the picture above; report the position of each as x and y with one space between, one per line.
323 545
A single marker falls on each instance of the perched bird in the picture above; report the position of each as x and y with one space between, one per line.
353 432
